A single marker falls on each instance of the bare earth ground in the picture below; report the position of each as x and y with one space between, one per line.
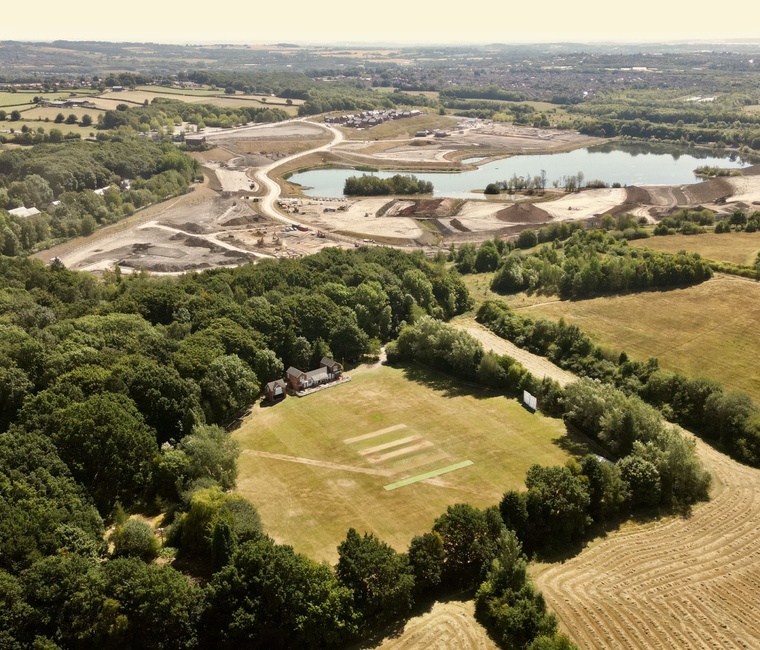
684 582
229 168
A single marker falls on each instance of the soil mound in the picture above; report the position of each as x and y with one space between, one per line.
635 197
455 223
523 213
430 208
708 191
635 194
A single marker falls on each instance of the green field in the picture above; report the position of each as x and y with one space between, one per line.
35 119
344 445
194 96
736 247
708 330
14 100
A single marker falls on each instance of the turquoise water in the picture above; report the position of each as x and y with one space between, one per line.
625 164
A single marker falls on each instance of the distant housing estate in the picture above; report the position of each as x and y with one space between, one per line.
368 119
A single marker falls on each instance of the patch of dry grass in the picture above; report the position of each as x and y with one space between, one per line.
404 128
709 330
735 247
312 506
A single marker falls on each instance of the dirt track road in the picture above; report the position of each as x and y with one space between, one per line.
273 190
539 366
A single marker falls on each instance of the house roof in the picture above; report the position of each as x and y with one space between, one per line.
318 374
327 361
295 372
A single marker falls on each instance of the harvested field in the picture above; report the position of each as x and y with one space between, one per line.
736 247
687 582
446 626
136 97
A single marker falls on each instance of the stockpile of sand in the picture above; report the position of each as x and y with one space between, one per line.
523 213
708 191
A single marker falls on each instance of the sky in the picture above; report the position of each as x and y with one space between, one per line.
389 21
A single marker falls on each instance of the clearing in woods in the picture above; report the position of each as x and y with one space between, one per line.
316 466
708 330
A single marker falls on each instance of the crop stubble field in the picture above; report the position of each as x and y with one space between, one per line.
684 582
690 582
317 465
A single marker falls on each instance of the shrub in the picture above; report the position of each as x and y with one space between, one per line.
135 539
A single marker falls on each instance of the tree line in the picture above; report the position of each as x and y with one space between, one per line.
402 184
727 419
356 98
163 113
721 122
587 263
623 424
141 363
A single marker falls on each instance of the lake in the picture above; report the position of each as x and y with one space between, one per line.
627 164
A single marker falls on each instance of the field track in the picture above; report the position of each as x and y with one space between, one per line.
684 583
539 366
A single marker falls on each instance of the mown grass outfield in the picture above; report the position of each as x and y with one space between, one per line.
708 330
316 466
735 247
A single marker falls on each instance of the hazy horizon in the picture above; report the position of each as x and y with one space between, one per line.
397 23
